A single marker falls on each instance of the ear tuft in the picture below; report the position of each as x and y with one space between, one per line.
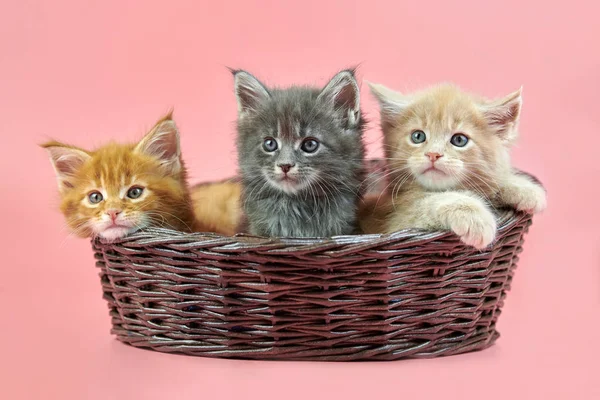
503 115
249 92
342 90
162 143
391 103
66 161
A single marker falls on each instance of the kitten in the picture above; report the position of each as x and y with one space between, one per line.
301 156
448 154
217 205
120 188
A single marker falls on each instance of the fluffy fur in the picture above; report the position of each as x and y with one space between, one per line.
289 191
217 205
438 185
111 172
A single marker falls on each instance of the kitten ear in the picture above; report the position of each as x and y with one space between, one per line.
162 142
249 92
391 103
503 115
342 90
66 161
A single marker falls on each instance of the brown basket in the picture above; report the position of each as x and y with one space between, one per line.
362 297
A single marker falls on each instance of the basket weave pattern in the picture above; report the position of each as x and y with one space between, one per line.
376 297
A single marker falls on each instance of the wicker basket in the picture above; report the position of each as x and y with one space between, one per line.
364 297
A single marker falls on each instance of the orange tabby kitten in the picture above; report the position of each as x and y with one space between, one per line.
217 205
448 155
120 188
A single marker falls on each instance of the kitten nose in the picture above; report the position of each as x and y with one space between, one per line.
433 156
113 213
286 167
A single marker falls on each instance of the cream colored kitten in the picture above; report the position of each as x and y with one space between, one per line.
448 154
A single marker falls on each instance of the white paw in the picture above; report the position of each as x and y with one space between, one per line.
531 199
523 194
476 226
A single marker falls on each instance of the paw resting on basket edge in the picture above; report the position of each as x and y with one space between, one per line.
522 193
474 223
530 199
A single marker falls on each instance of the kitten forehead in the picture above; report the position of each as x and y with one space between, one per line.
115 166
289 128
288 113
442 121
443 108
445 98
445 101
118 184
285 130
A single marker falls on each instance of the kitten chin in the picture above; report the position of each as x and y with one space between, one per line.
290 183
300 154
115 233
119 189
449 163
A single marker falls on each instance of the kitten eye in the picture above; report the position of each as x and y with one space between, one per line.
459 140
309 145
270 144
135 192
418 137
95 197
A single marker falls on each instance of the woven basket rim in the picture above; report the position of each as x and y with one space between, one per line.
505 218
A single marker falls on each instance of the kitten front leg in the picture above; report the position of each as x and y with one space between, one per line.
471 219
520 192
462 213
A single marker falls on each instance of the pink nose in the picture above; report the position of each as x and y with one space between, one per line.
113 213
285 167
433 156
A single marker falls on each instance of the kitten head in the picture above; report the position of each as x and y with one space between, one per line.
299 139
444 138
121 188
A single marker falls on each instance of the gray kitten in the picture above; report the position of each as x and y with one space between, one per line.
301 154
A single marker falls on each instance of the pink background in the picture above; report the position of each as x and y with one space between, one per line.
88 71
